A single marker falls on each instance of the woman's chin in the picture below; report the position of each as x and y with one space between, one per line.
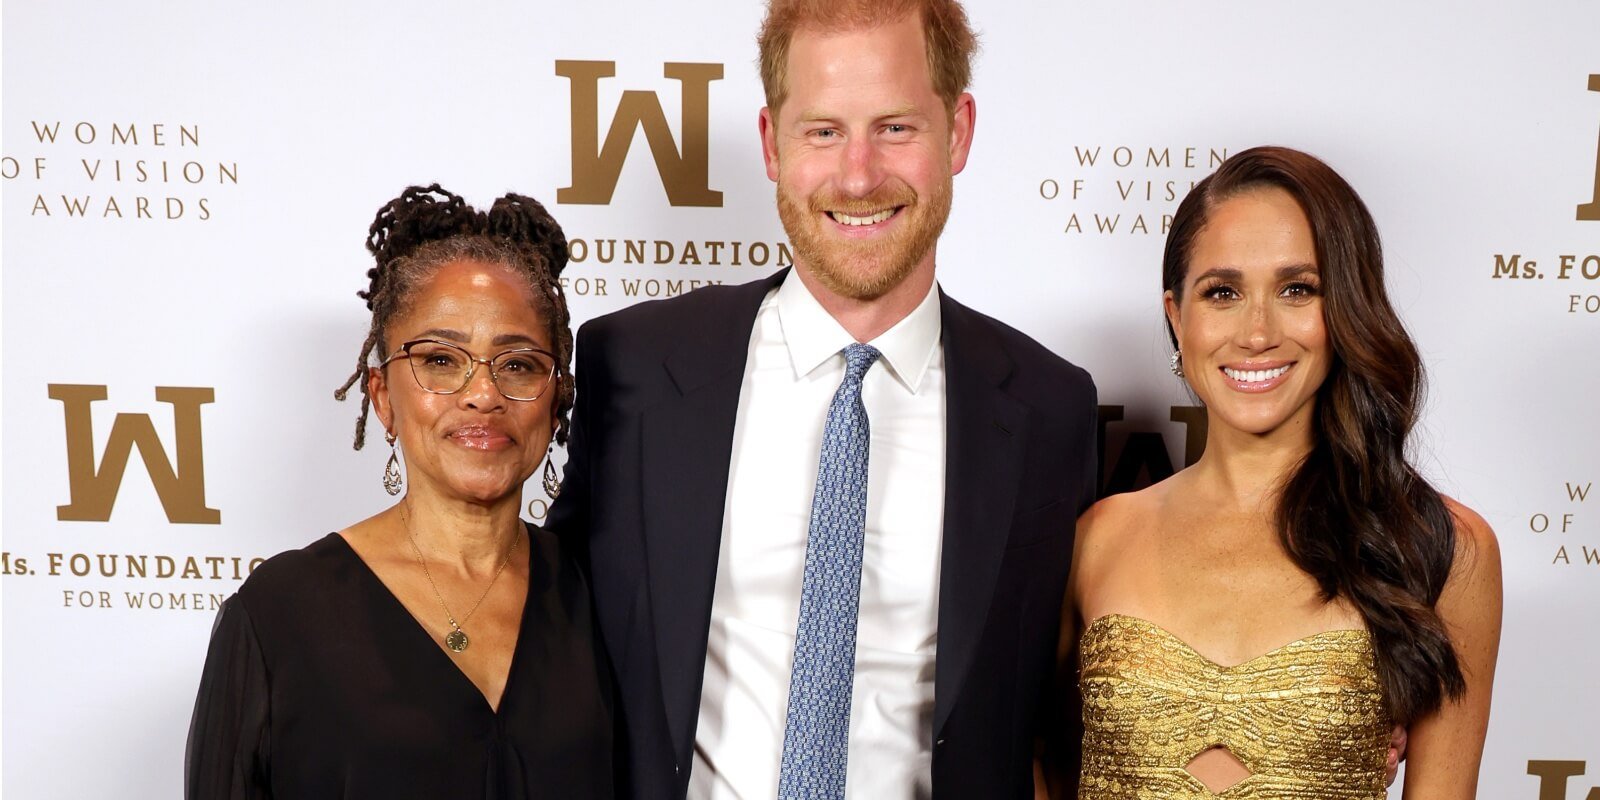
1258 421
484 490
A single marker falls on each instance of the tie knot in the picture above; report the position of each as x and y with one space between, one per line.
858 358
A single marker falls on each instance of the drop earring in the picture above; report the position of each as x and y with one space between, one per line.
391 472
1177 363
552 483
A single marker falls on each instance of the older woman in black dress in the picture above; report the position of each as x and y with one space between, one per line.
441 648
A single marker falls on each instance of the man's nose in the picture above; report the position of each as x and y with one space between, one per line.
862 168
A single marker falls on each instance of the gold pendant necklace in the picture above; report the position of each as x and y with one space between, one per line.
457 639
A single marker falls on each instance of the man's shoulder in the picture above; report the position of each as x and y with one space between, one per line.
708 306
1035 363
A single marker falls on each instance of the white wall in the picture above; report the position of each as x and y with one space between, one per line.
1469 127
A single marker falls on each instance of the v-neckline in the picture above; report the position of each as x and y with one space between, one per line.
438 651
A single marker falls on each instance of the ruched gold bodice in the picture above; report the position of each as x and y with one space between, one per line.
1307 719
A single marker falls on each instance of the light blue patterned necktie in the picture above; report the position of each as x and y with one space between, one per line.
816 736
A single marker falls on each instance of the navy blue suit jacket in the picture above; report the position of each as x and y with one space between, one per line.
646 481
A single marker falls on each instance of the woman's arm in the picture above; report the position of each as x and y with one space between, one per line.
1055 771
227 753
1057 765
1446 747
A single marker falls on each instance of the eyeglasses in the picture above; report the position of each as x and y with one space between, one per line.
444 368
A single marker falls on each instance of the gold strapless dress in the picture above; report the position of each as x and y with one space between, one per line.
1307 719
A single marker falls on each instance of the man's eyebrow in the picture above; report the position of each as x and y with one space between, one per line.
907 110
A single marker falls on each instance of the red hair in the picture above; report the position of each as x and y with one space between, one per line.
949 39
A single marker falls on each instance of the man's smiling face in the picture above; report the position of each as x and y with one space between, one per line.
863 153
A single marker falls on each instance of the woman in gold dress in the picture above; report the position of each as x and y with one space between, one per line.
1256 625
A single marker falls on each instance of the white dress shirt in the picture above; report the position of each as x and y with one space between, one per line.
795 366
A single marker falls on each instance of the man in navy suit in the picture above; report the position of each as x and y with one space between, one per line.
829 514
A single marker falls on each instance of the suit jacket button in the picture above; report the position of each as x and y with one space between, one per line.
939 743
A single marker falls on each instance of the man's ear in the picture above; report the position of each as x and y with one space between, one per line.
767 123
962 120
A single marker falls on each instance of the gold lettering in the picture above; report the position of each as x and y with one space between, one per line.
1590 211
46 134
1553 777
685 173
94 490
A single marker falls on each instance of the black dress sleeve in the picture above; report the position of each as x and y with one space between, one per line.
227 753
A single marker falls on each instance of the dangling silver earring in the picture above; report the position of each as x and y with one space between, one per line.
552 483
1177 363
391 472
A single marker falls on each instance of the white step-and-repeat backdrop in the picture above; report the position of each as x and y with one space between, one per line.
187 188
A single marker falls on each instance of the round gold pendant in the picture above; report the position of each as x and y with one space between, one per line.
457 640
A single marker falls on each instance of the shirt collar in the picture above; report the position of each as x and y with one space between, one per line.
813 336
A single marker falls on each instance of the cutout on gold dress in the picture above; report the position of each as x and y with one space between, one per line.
1218 768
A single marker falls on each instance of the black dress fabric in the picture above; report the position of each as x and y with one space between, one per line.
320 684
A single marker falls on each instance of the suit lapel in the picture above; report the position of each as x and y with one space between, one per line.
687 442
984 432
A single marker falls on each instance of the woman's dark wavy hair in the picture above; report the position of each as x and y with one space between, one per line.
425 228
1355 514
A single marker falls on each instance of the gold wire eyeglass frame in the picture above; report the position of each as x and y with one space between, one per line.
472 368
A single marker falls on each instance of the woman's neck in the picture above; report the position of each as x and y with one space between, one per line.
1248 469
472 538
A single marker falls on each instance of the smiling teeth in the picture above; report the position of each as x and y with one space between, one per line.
1255 375
846 219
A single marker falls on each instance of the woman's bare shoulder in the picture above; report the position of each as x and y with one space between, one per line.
1118 511
1110 525
1477 548
1470 523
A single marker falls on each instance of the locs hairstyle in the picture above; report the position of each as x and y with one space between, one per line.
1355 514
425 228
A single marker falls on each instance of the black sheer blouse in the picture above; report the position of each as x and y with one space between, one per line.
320 684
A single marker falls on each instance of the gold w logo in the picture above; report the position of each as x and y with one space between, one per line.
94 490
685 174
1553 777
1590 211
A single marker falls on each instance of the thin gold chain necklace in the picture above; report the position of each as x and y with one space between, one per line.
457 639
